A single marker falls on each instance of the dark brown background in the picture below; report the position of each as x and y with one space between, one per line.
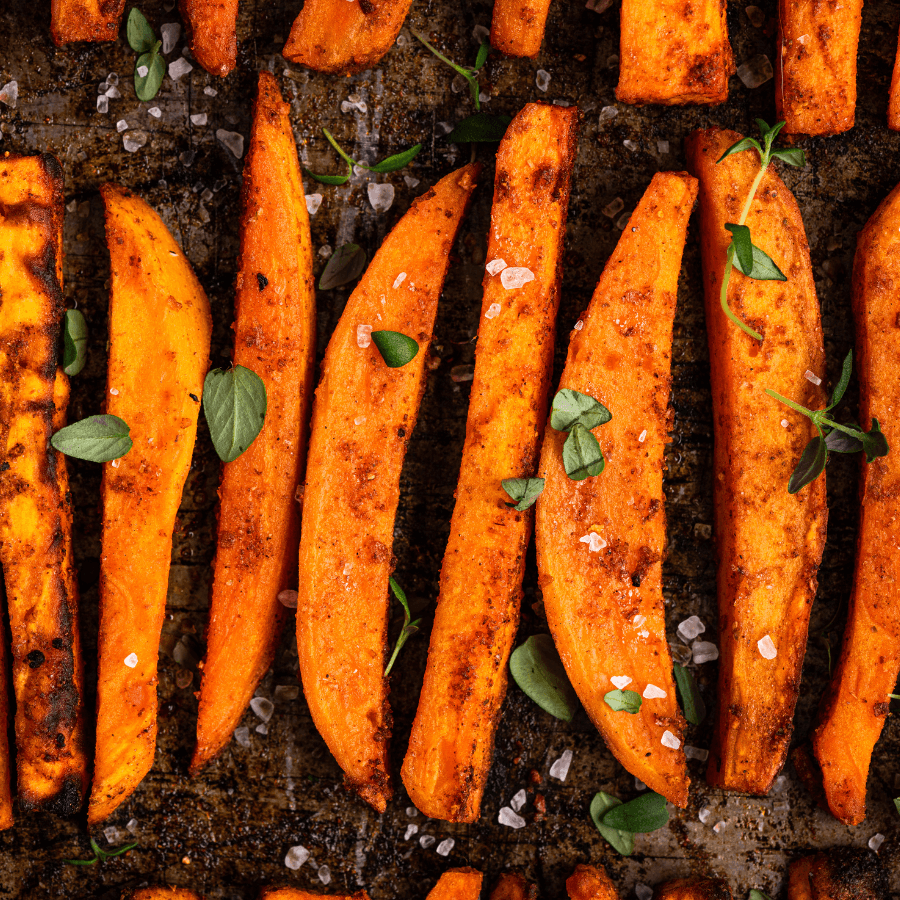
226 833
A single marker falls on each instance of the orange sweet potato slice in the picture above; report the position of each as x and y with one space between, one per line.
517 27
211 26
894 96
457 884
161 893
693 889
289 893
841 873
590 883
512 886
85 20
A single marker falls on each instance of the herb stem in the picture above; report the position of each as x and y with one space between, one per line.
795 406
764 164
350 162
468 74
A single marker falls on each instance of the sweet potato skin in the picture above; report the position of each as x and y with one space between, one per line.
693 889
159 323
856 704
449 755
815 82
769 542
457 884
275 336
289 893
841 873
674 53
344 38
799 887
363 415
35 506
605 609
512 886
211 25
894 96
161 893
590 883
517 26
85 20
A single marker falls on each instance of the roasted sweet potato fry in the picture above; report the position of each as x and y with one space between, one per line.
159 333
477 616
517 27
161 893
363 416
6 801
673 52
815 78
603 593
211 26
35 507
296 894
693 889
275 336
85 20
512 886
769 542
894 97
841 873
799 887
590 883
341 37
457 884
856 704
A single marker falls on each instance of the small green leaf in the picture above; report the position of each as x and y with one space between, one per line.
763 269
582 456
96 439
743 144
146 87
875 443
623 841
100 855
841 442
841 387
75 337
743 246
396 349
572 407
793 156
639 816
140 35
691 702
409 628
480 128
397 161
482 56
758 895
768 134
234 403
811 465
346 264
330 179
331 140
538 671
623 701
524 491
897 805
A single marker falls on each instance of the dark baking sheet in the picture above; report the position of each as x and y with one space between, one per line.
226 832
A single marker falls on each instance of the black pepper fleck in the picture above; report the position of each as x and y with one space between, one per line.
261 280
35 658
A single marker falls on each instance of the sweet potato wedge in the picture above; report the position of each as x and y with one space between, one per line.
769 542
161 893
159 333
341 37
35 507
275 336
289 893
211 27
674 53
841 873
894 96
693 889
815 78
363 415
512 886
603 595
477 616
517 26
457 884
855 706
799 887
590 883
85 20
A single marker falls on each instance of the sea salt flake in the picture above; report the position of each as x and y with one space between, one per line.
662 147
198 119
623 220
756 16
242 736
620 681
809 376
103 104
669 740
131 660
876 841
594 541
113 93
296 856
170 32
445 846
313 202
696 753
179 68
705 813
784 423
598 6
348 105
509 818
121 126
608 113
637 621
131 826
630 145
399 280
704 651
560 769
288 599
518 801
652 692
442 128
324 874
262 729
613 208
426 841
286 692
542 80
644 634
767 648
514 277
363 336
642 436
359 420
492 311
411 811
643 892
756 71
691 628
155 111
579 325
9 94
381 196
262 707
232 140
495 266
720 826
410 831
210 91
142 72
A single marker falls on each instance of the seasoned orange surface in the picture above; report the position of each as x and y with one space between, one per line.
605 605
211 26
259 518
512 886
856 705
894 98
693 889
452 739
840 873
590 883
297 894
769 542
159 332
161 893
517 27
85 20
457 884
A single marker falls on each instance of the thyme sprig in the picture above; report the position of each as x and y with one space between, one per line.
100 855
389 164
409 628
470 73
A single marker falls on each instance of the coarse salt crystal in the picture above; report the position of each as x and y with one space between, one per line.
115 463
363 336
630 145
262 707
359 420
155 111
608 113
9 94
613 208
639 785
704 651
513 277
411 811
131 660
399 279
442 128
598 6
784 423
620 681
113 93
131 825
198 119
210 91
705 813
756 16
296 856
643 892
767 648
719 827
809 376
114 392
242 736
445 846
642 436
690 628
669 740
410 181
623 220
348 105
876 841
509 818
579 325
662 147
324 874
171 31
288 599
652 692
426 841
179 68
594 541
103 104
803 39
142 72
696 753
518 801
492 311
637 621
495 266
756 71
121 126
232 140
644 634
287 691
381 196
542 80
410 831
560 769
313 202
262 729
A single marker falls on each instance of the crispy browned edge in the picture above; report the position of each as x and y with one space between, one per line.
693 889
840 873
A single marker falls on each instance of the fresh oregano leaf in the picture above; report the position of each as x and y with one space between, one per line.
758 895
396 349
743 246
841 442
639 816
572 407
763 268
623 841
480 128
811 465
743 144
140 35
793 156
841 387
234 403
875 443
330 179
409 628
397 161
481 57
346 264
75 337
96 439
147 86
623 701
538 671
524 491
691 702
582 456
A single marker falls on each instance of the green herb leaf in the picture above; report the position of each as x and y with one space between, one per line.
582 456
623 841
841 442
146 87
482 56
351 162
639 816
346 264
875 443
96 439
743 246
75 337
897 805
330 179
841 387
691 702
100 854
234 403
793 156
468 74
524 491
480 128
758 895
396 349
538 671
572 407
811 465
743 144
623 701
398 161
409 628
140 35
768 134
763 268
